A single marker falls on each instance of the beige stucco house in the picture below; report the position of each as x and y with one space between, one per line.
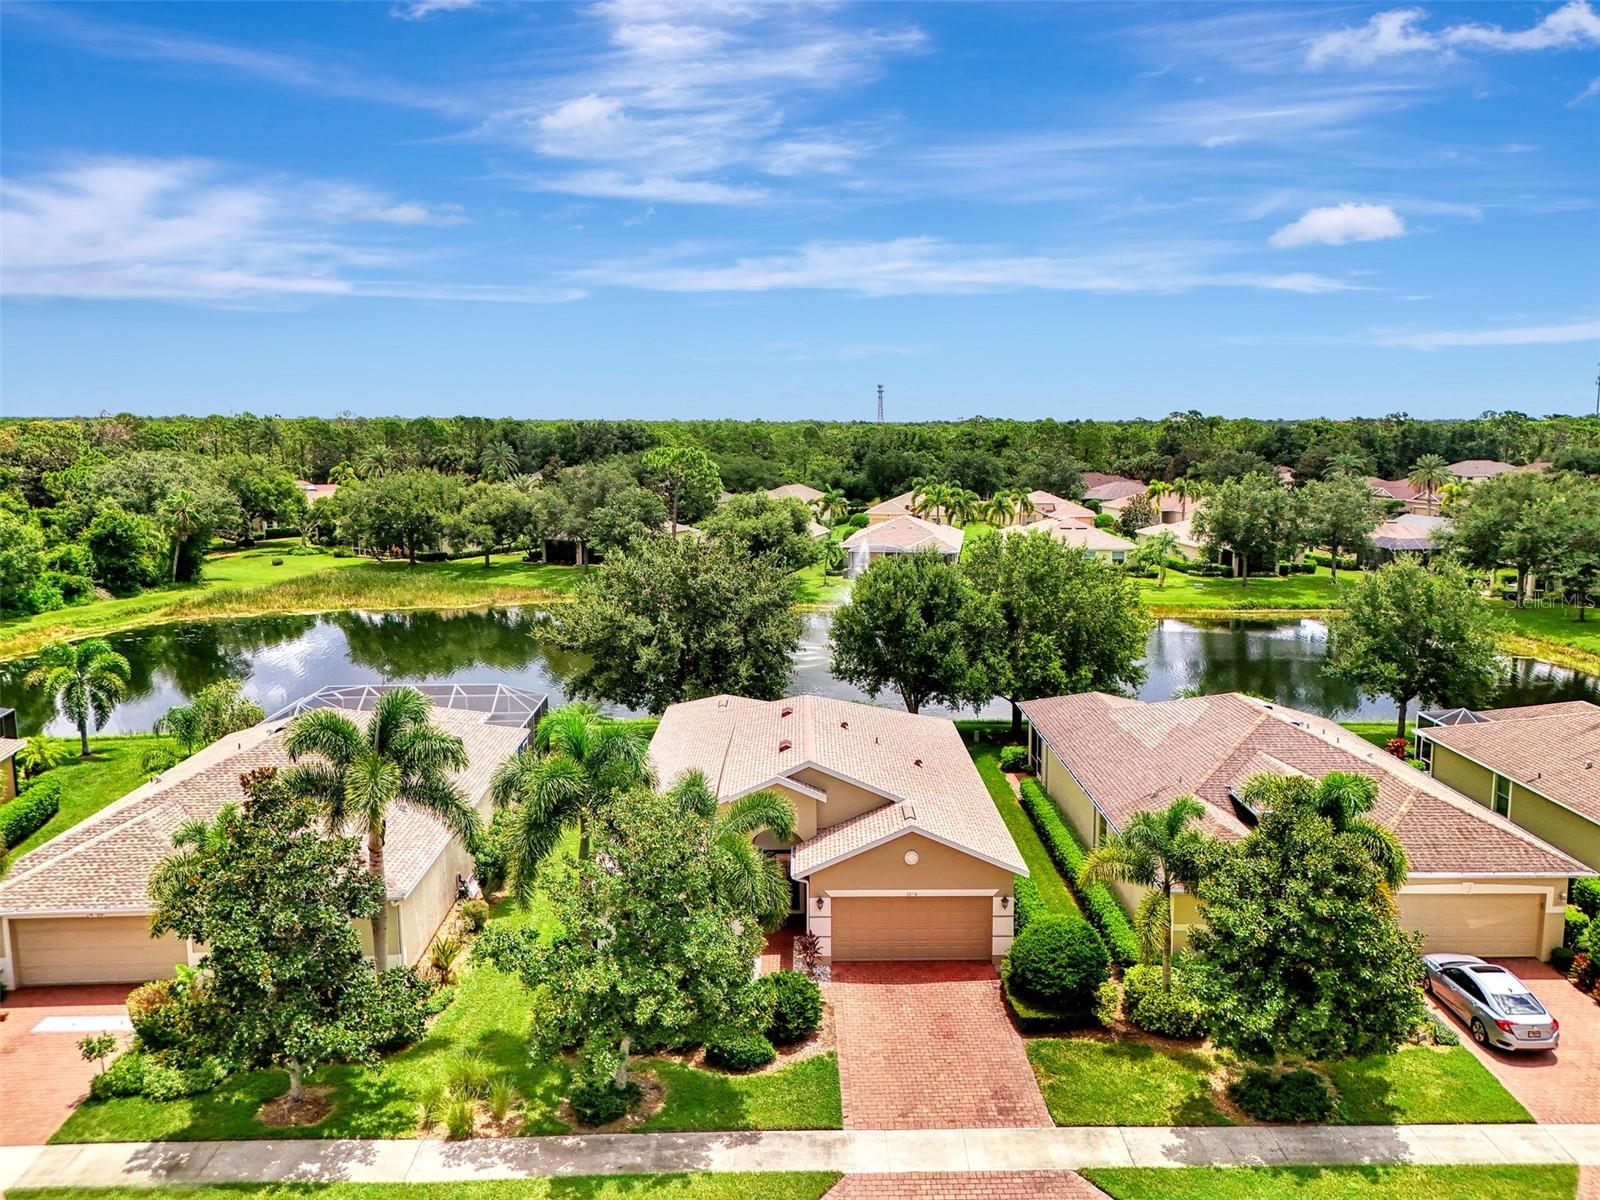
1538 766
900 852
1096 542
795 491
9 745
77 910
1478 883
899 535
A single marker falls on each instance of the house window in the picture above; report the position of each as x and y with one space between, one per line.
1100 829
1502 795
1118 556
1425 752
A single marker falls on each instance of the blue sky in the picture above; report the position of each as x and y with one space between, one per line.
652 208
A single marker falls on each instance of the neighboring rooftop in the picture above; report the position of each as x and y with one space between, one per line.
1048 504
1114 488
1552 749
894 506
794 491
1479 468
1394 489
1075 533
918 763
1410 531
103 864
906 533
1131 756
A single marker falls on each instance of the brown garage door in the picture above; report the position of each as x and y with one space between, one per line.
1488 925
911 927
53 950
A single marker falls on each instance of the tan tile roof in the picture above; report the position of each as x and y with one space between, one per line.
9 746
1182 530
1553 749
797 491
1113 489
1094 479
103 863
1395 489
1131 756
917 763
892 507
1048 504
1479 468
1075 533
907 533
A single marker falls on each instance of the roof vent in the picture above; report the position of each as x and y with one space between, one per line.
908 812
787 711
784 745
916 762
844 724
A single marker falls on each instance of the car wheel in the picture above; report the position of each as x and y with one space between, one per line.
1427 984
1479 1033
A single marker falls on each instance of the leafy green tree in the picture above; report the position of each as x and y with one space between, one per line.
580 763
21 563
832 506
271 897
744 877
87 679
1428 474
759 524
1289 912
1254 518
651 952
1138 513
1064 621
1510 520
1419 632
404 509
628 516
357 775
677 619
264 491
218 710
686 477
1577 559
127 550
1341 514
1342 798
494 514
1159 851
915 624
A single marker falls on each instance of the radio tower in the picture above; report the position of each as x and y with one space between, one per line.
880 403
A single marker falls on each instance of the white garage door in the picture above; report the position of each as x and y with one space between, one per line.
54 950
881 928
1488 925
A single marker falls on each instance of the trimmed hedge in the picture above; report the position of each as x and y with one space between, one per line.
1026 902
1100 904
1013 758
1149 1006
1586 895
796 1006
735 1050
29 812
1030 1017
1577 923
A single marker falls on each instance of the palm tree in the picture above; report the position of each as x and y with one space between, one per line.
1345 462
926 497
1155 550
498 461
961 505
400 757
580 761
1022 501
1342 798
1158 850
375 461
831 506
996 510
1184 491
744 876
86 678
1156 491
1428 474
183 517
39 753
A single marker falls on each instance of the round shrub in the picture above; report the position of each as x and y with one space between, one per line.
154 1012
1562 957
277 562
859 520
1576 925
733 1050
124 1077
601 1103
1297 1096
796 1006
1013 758
1059 962
474 915
1153 1008
1586 895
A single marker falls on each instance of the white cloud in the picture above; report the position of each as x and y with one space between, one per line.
418 10
1588 93
1399 32
189 230
1528 335
1336 224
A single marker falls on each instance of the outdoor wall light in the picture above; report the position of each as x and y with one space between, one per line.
819 903
1005 903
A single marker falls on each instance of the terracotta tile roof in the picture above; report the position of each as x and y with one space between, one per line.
1131 756
906 533
1094 479
796 491
1113 489
1395 489
917 763
103 863
1075 533
1554 749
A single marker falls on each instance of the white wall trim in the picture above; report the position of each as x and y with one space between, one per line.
869 893
899 833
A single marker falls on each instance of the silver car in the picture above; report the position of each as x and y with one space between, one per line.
1495 1005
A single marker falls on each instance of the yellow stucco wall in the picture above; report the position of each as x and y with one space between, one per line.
1561 827
1071 799
8 779
883 868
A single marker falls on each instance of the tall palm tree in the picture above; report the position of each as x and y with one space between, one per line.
579 762
1341 797
401 757
831 506
1185 491
498 461
1158 850
1156 491
375 461
744 876
1428 474
961 505
182 515
996 510
926 496
1022 504
1345 462
86 679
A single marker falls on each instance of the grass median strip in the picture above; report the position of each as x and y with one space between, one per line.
1399 1182
800 1185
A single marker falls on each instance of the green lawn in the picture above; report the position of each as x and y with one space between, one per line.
89 784
814 586
1422 1085
1053 890
803 1095
698 1186
1092 1082
1556 635
1336 1183
1378 732
1188 596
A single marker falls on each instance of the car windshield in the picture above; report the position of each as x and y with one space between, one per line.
1518 1005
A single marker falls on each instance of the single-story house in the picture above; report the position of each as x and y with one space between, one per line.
1189 544
1537 765
1475 470
1100 543
900 852
10 743
1478 884
900 535
1110 487
1410 533
1397 489
1048 504
1168 509
894 506
795 491
315 491
77 909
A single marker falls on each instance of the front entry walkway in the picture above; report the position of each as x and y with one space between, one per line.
42 1075
929 1046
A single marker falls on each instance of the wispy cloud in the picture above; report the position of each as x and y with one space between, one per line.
1527 335
1337 224
1588 93
190 230
1400 32
418 10
932 266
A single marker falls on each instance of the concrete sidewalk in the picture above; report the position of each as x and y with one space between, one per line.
847 1151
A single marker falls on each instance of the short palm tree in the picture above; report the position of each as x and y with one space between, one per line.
1428 474
182 515
961 505
498 461
1155 550
1156 491
831 506
1345 462
745 877
1158 850
580 761
1022 504
1185 491
401 757
86 679
1342 798
39 753
375 461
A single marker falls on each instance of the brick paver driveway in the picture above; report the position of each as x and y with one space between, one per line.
1563 1086
43 1074
929 1046
982 1185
